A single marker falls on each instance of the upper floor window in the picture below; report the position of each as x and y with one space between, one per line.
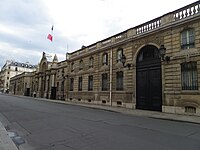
16 69
119 54
187 39
81 65
105 59
72 67
91 62
189 78
119 79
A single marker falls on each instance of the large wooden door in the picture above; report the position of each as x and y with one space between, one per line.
148 78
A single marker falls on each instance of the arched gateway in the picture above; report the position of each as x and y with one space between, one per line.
148 79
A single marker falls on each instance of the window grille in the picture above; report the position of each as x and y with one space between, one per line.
189 77
190 109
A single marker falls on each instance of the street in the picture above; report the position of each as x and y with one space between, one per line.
50 126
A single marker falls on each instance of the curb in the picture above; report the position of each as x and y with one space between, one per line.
143 113
135 112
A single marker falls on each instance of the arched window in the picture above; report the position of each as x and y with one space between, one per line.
148 52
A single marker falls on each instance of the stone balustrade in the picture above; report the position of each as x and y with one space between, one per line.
187 11
150 26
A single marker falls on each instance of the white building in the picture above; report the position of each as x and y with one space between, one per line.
11 69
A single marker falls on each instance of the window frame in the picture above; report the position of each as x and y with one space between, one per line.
119 56
187 39
81 64
72 66
71 85
91 62
120 81
80 83
90 83
104 80
105 58
189 76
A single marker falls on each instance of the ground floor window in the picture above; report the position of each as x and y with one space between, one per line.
90 83
189 79
104 82
80 81
71 88
119 79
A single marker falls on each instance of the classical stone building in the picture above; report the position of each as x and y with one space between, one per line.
153 66
10 69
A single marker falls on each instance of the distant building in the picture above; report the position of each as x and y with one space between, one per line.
11 69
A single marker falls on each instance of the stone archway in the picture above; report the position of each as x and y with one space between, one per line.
148 79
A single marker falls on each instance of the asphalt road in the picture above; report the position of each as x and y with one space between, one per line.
50 126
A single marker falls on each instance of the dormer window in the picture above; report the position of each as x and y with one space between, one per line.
187 39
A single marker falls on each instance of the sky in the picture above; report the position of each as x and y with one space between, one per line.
25 24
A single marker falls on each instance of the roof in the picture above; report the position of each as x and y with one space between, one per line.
18 64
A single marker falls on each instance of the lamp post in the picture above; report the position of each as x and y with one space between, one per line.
63 87
123 60
162 52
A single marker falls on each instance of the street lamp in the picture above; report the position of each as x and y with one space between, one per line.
162 52
123 60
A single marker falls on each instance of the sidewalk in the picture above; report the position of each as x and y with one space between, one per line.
6 142
135 112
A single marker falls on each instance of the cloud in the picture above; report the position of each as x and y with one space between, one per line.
25 24
23 29
23 12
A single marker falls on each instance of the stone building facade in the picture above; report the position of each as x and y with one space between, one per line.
10 69
153 66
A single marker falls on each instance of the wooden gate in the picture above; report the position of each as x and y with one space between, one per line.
148 78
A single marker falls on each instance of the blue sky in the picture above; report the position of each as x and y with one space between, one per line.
25 24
